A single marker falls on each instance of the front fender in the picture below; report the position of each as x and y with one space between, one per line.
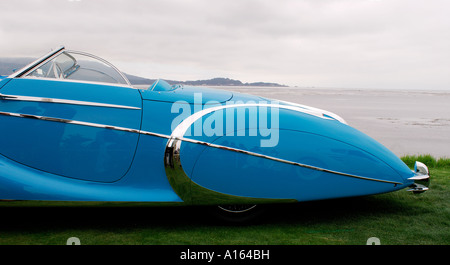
302 165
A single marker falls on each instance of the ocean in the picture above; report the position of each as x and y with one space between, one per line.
408 122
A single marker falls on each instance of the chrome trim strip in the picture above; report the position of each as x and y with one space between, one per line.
155 134
63 101
82 123
77 81
419 177
285 161
24 74
331 114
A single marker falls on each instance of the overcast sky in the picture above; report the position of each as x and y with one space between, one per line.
323 43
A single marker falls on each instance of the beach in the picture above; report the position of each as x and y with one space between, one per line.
407 122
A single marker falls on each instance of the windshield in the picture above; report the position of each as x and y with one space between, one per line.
79 66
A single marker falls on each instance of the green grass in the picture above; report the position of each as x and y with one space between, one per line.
397 218
428 160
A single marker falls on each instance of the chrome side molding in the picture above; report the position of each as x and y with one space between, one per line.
64 101
421 179
82 123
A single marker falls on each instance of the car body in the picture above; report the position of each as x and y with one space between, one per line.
73 128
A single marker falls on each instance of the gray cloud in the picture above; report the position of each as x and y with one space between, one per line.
347 43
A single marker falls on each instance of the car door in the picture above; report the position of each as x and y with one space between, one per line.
73 116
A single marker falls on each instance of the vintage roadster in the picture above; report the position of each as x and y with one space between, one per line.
73 128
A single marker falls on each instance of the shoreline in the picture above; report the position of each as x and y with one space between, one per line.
407 122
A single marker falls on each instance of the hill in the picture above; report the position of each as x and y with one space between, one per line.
8 65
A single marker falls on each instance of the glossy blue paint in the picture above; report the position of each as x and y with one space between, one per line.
4 80
71 150
346 134
249 176
19 182
42 159
305 139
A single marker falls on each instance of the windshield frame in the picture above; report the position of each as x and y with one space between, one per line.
37 63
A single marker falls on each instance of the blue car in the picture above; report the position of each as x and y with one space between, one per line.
73 129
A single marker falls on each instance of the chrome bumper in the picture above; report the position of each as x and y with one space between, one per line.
421 179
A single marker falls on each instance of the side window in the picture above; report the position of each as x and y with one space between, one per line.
80 67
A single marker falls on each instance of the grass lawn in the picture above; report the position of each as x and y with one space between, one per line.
398 218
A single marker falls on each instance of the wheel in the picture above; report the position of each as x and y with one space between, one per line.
238 213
